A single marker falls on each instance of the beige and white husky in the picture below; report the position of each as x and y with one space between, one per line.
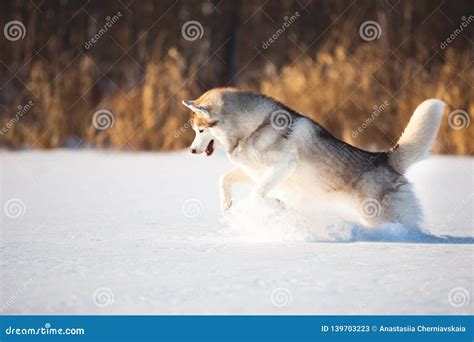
285 153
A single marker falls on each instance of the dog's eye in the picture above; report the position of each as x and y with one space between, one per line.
201 130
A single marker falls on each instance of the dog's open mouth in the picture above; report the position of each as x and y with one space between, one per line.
210 148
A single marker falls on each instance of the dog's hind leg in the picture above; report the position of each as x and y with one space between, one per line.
272 177
403 206
396 206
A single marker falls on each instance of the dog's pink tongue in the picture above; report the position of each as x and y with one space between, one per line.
210 148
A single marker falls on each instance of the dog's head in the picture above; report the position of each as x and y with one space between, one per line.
202 123
224 116
208 122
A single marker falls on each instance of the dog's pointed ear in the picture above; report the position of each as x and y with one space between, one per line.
198 109
188 103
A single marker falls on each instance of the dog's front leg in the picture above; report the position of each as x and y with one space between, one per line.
226 181
273 176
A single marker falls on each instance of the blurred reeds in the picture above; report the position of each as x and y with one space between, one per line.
142 68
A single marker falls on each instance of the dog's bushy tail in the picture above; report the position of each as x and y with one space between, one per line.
419 135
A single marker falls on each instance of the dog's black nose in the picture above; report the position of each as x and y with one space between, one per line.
193 150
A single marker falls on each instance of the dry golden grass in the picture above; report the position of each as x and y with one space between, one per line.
339 89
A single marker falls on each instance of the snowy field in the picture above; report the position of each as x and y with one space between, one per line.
86 232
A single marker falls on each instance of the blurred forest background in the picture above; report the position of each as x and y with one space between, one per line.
138 60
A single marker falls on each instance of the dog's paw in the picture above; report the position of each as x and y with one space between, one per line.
270 202
274 203
226 203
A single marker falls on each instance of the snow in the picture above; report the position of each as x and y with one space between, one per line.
142 233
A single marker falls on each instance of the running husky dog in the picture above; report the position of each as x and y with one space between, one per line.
284 152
